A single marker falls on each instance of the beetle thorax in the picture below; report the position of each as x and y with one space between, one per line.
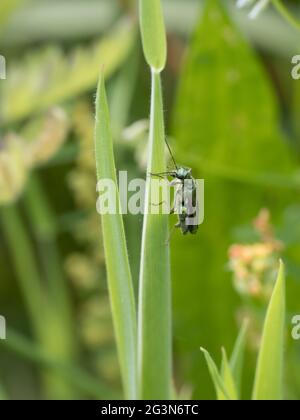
183 173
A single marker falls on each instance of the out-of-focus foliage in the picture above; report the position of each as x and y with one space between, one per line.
225 71
6 9
13 170
42 79
226 127
36 84
37 143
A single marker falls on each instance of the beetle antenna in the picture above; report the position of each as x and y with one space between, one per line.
171 154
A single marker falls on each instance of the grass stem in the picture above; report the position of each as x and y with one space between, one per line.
154 338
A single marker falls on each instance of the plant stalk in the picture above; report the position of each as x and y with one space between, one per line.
154 327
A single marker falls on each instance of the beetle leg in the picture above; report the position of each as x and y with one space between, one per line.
158 204
192 215
172 233
158 175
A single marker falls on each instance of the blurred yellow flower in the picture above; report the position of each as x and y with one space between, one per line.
13 168
45 136
254 266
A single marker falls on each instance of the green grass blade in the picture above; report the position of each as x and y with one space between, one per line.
215 376
154 340
153 33
237 357
269 371
228 379
117 264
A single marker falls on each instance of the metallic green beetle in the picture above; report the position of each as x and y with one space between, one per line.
185 200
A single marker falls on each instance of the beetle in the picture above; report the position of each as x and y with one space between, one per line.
185 200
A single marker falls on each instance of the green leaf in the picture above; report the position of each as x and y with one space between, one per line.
269 371
237 357
122 92
154 342
228 379
43 226
153 33
235 94
217 379
116 256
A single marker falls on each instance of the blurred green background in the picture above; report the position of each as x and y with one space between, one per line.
231 108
